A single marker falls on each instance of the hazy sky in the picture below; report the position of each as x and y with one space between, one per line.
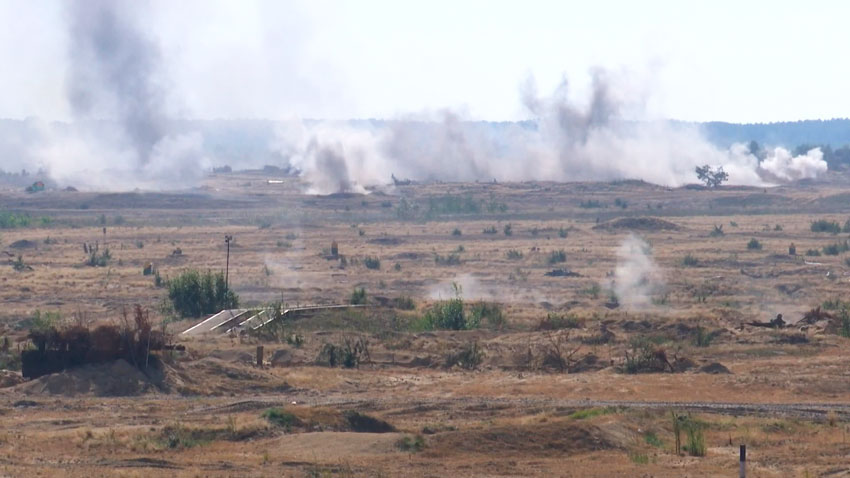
748 61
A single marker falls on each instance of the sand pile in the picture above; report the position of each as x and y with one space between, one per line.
117 378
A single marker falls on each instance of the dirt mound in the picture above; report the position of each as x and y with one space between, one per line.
23 244
117 378
536 440
637 224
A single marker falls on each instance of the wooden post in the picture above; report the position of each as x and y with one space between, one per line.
260 356
742 473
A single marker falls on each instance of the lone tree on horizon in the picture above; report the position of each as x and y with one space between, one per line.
711 177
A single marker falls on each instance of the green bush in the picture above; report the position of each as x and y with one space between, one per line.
835 249
823 225
372 263
508 230
702 337
717 231
411 444
513 255
468 357
489 311
11 220
690 261
193 293
281 418
489 230
358 296
754 245
450 314
452 259
456 232
557 256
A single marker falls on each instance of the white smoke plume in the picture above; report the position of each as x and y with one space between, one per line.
636 278
565 141
782 166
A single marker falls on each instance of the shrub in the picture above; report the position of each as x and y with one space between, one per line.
98 260
404 303
447 314
11 220
513 255
508 229
372 263
456 232
813 253
489 311
717 231
194 293
702 337
468 357
350 354
452 259
453 205
562 233
823 225
690 261
621 203
411 444
835 249
450 314
696 438
281 418
358 296
754 244
489 230
557 256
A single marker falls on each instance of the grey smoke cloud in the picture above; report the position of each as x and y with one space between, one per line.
567 140
636 278
113 71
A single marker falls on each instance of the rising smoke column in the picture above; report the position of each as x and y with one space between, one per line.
120 138
636 278
112 71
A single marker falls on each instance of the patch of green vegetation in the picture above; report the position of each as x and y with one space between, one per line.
457 232
372 263
452 259
652 439
837 248
11 220
556 257
358 296
754 245
489 230
513 255
411 444
195 293
824 225
445 205
508 229
702 337
281 418
490 312
690 261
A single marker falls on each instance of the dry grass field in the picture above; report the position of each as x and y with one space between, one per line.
580 287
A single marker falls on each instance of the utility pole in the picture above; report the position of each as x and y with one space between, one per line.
227 239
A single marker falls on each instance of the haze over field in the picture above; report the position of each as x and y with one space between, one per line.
129 80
